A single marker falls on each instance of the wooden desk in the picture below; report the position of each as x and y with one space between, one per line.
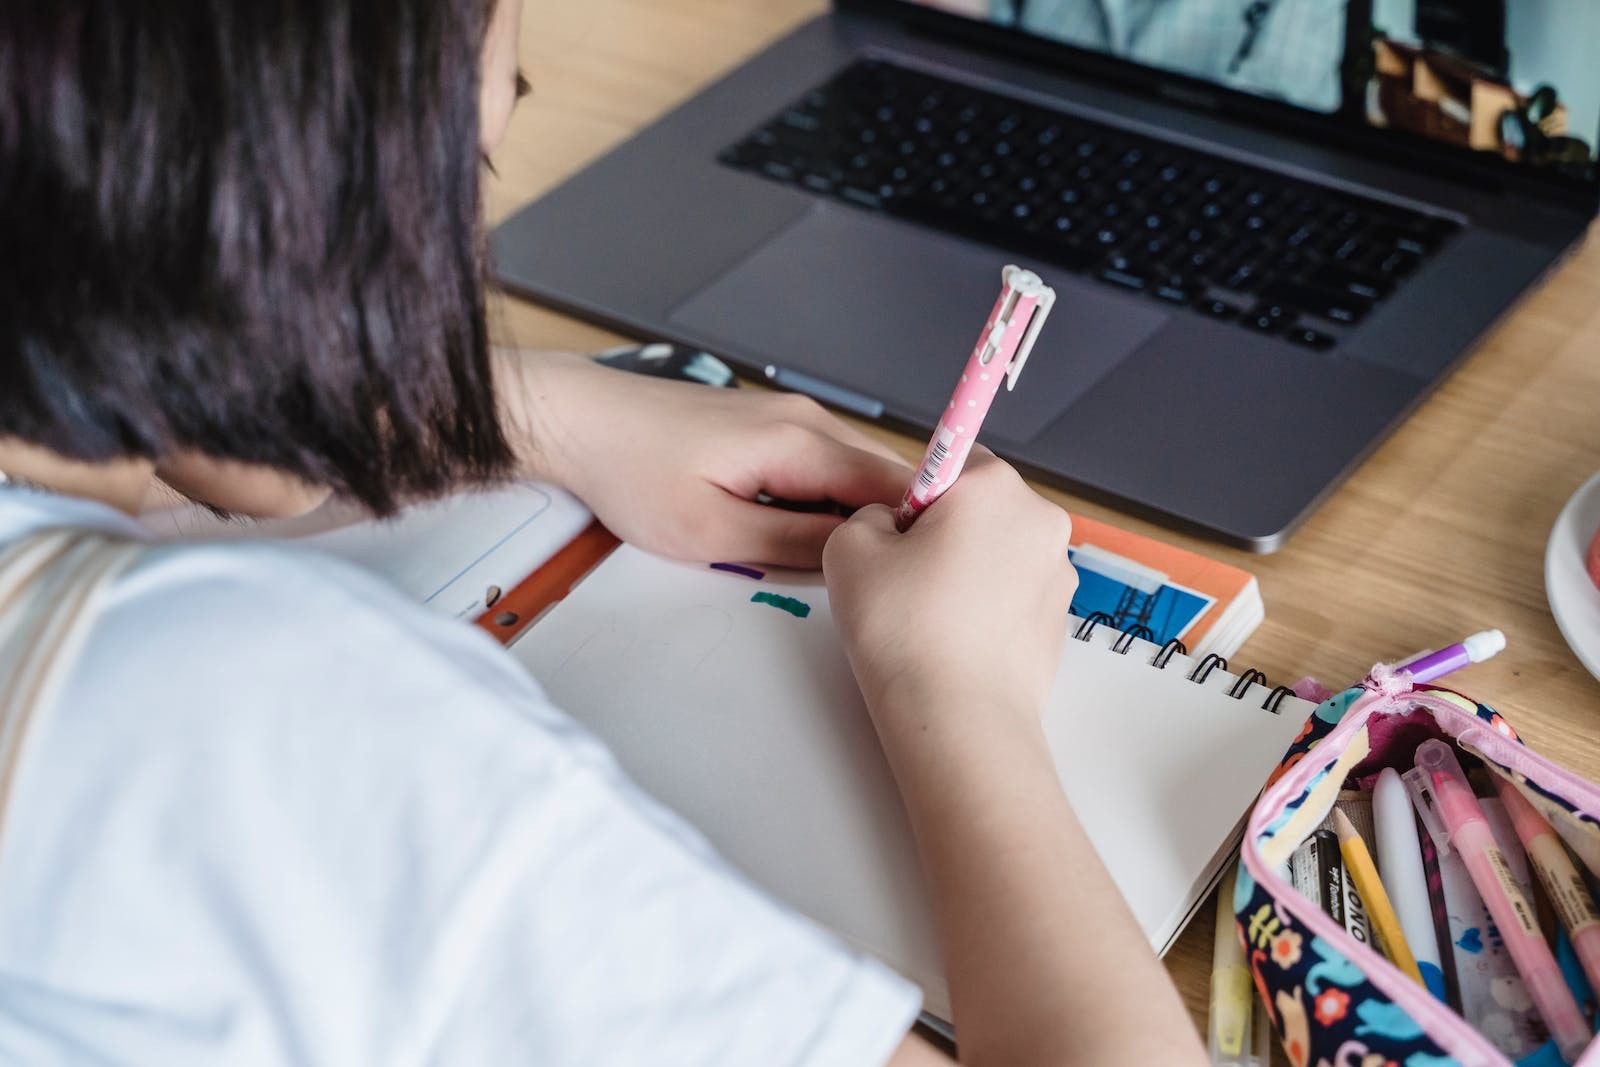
1441 533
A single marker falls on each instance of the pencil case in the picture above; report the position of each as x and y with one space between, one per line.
1333 1000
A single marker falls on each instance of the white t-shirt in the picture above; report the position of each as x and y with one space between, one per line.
280 815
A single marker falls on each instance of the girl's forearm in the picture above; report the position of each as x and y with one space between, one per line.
1045 962
537 394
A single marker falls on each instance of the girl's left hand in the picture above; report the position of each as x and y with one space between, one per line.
675 467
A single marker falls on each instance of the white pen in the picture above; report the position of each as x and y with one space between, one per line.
1400 864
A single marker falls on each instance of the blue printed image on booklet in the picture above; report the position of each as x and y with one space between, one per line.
1134 595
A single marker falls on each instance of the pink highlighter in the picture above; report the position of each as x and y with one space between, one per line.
1573 903
1470 835
1001 351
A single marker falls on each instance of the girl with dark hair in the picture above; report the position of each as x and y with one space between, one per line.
255 808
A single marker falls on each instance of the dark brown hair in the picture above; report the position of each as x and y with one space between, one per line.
250 230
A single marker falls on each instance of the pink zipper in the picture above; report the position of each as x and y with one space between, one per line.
1453 1033
1551 777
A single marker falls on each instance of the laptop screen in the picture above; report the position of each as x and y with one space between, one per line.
1515 79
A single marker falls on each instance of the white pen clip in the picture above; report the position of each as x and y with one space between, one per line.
1021 283
1423 801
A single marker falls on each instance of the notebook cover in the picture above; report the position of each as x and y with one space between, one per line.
507 617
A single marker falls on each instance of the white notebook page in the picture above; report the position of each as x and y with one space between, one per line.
746 721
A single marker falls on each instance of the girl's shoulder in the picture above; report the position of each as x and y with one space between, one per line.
253 634
256 622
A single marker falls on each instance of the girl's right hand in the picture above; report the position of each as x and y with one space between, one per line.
968 608
955 630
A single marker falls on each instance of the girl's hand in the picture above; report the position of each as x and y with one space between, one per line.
675 467
968 608
955 629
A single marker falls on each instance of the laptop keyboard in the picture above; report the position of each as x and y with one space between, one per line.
1231 241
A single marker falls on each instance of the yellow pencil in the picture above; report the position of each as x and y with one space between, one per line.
1365 875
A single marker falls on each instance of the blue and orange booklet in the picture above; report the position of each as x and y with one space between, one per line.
1161 591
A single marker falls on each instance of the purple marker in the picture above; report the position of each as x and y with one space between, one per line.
1435 665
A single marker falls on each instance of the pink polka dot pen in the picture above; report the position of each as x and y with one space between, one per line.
1002 349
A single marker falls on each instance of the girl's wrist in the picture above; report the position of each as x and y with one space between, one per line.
926 707
946 748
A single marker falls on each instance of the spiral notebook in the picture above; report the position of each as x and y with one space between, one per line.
725 694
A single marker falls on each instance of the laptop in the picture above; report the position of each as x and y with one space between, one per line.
1273 225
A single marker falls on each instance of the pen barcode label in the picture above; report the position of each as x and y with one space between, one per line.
937 454
1508 881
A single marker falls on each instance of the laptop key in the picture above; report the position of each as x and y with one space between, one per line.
1156 247
1270 319
1335 307
1347 221
1125 279
858 194
1290 263
1397 264
1218 309
1416 242
1302 236
1343 279
1306 337
802 120
1352 250
1173 287
1243 278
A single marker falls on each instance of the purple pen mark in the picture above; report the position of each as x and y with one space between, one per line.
739 568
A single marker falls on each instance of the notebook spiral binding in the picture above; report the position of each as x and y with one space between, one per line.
1202 670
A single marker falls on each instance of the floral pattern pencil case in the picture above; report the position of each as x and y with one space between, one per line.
1336 1001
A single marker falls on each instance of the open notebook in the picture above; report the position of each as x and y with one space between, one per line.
738 710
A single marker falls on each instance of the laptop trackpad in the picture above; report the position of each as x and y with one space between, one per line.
892 311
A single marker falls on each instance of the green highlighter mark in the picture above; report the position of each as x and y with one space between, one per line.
798 608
